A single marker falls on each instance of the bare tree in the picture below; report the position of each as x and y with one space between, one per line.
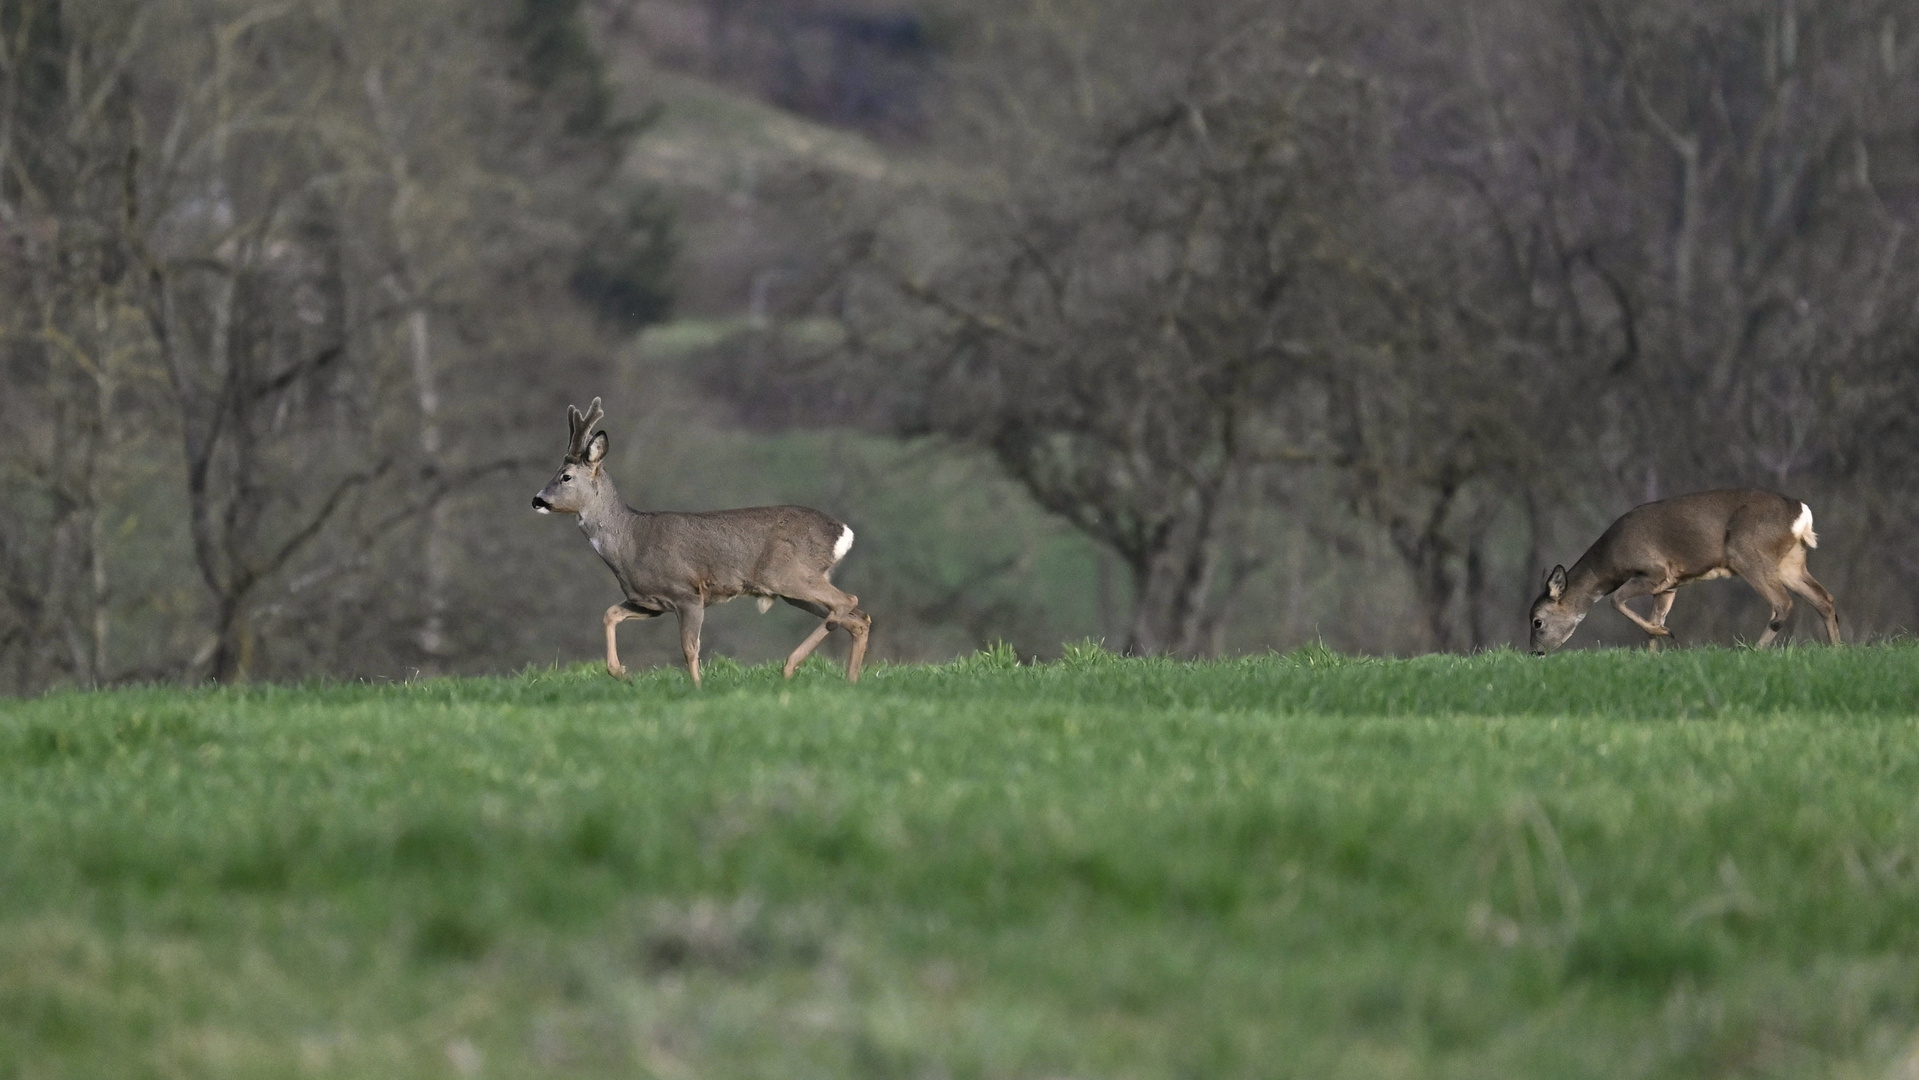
64 142
1675 223
230 226
1110 301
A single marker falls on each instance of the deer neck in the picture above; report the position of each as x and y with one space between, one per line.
606 512
1585 585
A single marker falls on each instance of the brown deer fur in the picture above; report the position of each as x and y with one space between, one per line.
685 563
1654 549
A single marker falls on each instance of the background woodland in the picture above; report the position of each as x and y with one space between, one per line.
1193 333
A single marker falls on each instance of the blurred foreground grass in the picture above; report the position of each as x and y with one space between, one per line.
1600 864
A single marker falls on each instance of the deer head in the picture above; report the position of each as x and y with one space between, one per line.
1553 618
580 478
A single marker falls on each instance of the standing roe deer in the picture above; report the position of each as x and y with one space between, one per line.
685 562
1654 549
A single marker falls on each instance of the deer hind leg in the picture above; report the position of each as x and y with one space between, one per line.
1661 592
1794 576
805 648
1771 561
1770 587
859 624
692 615
836 609
616 615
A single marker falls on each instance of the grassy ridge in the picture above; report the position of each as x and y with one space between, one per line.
1701 863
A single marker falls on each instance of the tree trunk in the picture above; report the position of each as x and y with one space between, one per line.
436 551
231 647
1423 545
436 554
1173 584
1106 610
99 593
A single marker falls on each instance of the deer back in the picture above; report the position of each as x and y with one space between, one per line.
720 554
1695 535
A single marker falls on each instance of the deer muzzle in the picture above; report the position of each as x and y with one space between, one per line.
542 505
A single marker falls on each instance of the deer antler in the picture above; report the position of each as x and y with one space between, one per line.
582 427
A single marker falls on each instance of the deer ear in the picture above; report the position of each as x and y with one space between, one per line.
596 448
1556 583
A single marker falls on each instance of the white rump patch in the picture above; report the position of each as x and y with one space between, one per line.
766 604
1802 528
845 544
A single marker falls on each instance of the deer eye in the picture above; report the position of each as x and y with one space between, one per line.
564 477
1539 624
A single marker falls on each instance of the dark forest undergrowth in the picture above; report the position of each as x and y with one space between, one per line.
1600 864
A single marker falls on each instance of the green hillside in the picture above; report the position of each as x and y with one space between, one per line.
1602 864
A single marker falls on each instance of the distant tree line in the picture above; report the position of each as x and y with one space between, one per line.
277 276
1393 301
1458 283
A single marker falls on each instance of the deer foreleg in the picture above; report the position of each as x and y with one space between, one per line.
616 615
1662 602
691 617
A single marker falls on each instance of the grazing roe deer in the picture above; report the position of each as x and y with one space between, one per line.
685 562
1654 549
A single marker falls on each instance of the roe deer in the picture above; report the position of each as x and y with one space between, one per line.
1654 549
685 562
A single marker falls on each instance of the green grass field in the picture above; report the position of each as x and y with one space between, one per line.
1599 864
